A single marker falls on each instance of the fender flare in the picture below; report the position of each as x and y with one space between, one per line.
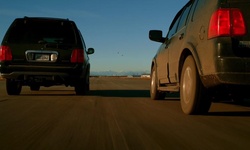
190 49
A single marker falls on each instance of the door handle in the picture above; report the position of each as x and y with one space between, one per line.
181 36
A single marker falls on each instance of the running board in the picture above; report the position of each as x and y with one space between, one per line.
171 88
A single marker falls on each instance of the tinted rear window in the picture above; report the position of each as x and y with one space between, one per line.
41 31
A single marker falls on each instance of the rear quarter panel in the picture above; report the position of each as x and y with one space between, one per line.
201 48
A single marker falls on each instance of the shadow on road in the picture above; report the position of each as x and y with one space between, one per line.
104 93
120 93
245 103
230 113
49 93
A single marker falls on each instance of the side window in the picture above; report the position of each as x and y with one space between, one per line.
179 20
83 43
174 25
184 17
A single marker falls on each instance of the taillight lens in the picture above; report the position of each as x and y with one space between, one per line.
227 22
238 23
5 53
77 56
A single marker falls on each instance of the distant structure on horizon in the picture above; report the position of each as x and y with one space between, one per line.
145 76
125 73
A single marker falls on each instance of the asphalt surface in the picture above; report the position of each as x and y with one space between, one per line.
116 114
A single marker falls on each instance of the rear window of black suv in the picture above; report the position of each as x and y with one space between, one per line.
37 31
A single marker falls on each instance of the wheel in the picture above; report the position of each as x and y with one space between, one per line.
87 83
194 99
35 87
13 87
155 94
82 86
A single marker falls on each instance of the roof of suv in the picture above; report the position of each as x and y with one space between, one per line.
45 18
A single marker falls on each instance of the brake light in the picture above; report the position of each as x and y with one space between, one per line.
77 56
5 53
227 22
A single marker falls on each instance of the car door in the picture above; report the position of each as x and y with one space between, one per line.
163 52
175 45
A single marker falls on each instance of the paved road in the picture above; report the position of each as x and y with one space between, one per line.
116 114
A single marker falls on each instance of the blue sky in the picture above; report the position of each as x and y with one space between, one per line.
116 29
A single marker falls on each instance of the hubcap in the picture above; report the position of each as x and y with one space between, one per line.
187 85
153 82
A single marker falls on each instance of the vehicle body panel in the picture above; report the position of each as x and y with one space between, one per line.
41 52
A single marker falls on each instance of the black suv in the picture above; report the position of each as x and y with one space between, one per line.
44 52
205 55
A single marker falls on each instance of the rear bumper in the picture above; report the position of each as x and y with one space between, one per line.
17 75
226 79
14 71
44 75
229 71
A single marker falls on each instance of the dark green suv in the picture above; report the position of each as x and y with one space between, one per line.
44 52
205 55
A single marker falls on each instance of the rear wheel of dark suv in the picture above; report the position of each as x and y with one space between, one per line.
82 86
35 87
13 87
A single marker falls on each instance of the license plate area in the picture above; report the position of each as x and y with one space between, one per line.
41 56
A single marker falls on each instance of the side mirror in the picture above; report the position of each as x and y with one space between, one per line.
156 35
90 51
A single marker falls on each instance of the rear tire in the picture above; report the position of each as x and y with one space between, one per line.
194 98
13 87
82 86
155 94
35 87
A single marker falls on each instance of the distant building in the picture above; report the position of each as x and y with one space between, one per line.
145 76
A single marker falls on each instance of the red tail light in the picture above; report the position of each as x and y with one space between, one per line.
227 22
5 53
77 56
